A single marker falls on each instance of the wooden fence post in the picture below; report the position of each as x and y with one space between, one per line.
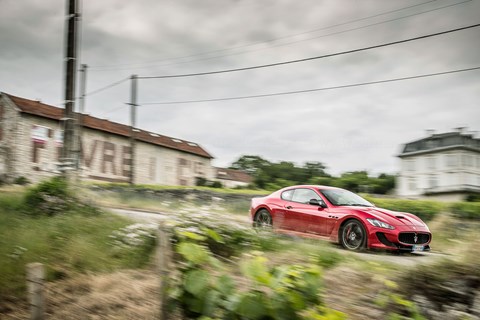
35 277
163 257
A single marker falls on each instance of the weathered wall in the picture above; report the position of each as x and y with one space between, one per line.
9 119
31 147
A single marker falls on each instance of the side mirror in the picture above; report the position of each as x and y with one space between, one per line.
316 202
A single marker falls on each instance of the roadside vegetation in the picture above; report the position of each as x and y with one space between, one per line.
46 224
223 269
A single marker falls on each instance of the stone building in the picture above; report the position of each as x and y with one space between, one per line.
445 166
31 139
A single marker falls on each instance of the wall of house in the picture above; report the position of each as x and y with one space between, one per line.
10 130
446 171
232 183
34 151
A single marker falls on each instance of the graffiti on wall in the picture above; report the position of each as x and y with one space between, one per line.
113 159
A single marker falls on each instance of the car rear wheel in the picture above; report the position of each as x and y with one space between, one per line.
353 235
263 219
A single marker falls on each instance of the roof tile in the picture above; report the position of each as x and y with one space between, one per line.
43 110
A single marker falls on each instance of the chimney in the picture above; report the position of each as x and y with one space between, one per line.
430 132
460 130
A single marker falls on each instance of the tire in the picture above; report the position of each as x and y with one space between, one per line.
353 236
263 220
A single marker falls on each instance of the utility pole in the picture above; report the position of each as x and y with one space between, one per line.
70 74
80 114
133 120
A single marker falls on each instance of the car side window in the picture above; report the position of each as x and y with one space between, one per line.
287 195
304 195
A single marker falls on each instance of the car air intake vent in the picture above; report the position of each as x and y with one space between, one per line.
400 217
413 238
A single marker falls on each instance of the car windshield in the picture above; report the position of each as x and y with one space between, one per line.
340 197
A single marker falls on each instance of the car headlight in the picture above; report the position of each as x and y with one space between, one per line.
380 224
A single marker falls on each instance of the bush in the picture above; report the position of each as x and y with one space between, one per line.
473 197
21 181
49 198
204 290
466 210
76 242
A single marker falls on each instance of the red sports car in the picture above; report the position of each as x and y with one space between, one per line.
340 216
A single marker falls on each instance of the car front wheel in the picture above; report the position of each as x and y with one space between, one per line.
353 235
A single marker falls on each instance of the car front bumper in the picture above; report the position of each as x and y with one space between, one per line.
403 238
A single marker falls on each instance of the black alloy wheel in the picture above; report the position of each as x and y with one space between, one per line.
353 235
263 219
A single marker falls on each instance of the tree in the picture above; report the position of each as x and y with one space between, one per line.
250 164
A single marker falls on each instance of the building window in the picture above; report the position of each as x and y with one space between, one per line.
432 181
199 168
410 165
412 184
36 150
452 160
431 163
183 162
467 161
152 168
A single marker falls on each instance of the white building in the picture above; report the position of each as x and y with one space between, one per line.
444 166
31 140
231 178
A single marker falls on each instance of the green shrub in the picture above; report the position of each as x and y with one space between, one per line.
473 197
21 181
204 290
425 210
81 241
466 210
49 197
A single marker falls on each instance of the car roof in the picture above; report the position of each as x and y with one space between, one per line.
309 186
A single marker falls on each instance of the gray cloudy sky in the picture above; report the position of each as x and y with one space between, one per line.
360 128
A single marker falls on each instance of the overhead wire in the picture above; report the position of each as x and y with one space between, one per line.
312 90
108 68
116 83
310 58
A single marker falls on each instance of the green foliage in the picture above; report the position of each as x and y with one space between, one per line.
425 210
202 182
328 258
49 198
78 242
222 238
466 210
205 290
396 305
272 176
473 197
21 181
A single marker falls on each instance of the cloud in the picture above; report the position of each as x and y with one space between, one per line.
349 129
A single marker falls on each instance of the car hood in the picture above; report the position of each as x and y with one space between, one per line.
394 218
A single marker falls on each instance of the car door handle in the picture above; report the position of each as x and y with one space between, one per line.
289 207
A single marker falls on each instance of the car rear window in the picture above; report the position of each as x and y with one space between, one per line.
287 195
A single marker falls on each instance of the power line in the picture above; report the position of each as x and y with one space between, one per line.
310 58
116 83
314 90
107 68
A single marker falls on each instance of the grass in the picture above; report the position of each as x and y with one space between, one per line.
107 185
65 243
